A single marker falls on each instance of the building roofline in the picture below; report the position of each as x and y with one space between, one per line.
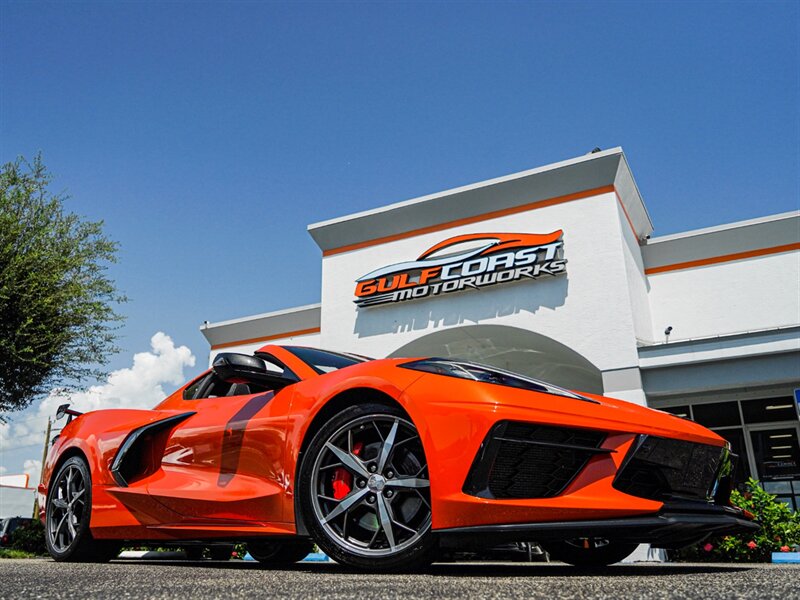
266 315
463 188
743 240
635 186
644 347
288 322
598 172
724 227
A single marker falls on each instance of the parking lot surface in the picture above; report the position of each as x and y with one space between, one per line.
43 578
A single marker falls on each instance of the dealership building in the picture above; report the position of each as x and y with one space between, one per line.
553 273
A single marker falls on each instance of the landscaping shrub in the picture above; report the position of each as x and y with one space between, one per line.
780 531
29 538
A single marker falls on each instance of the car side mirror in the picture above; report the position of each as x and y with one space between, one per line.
233 367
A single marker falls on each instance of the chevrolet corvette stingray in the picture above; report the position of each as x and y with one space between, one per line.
382 464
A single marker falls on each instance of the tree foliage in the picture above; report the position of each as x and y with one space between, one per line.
57 318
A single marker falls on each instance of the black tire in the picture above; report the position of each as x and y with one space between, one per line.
383 522
589 552
68 512
281 553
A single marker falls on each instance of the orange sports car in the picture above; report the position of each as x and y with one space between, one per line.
382 463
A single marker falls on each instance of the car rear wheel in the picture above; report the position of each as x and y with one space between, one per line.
280 553
589 552
365 491
67 515
215 552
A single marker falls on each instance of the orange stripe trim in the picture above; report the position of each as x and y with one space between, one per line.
690 264
467 220
266 338
625 210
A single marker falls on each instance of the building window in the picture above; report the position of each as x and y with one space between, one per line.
735 437
718 414
678 411
769 409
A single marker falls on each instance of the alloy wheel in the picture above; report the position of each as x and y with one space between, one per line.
371 492
68 505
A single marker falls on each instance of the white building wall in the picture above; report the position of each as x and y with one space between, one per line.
730 297
588 310
16 502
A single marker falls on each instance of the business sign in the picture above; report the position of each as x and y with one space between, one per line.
16 481
465 262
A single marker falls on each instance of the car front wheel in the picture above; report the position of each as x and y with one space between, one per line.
364 490
67 515
589 552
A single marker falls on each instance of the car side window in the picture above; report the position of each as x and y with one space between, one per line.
191 392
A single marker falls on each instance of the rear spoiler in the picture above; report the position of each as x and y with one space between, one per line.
64 409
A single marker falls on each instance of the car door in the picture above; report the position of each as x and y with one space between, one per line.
225 462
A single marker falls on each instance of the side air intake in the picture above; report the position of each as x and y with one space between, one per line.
526 460
140 453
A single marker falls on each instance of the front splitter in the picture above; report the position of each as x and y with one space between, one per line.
674 526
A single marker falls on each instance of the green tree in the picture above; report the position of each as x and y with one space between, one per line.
57 319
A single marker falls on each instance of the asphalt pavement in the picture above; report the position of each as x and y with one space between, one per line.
43 578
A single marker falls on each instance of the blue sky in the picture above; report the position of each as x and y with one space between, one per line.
208 135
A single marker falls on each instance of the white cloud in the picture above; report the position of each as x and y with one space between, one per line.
138 386
2 469
33 468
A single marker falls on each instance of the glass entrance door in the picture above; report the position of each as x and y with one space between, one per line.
777 458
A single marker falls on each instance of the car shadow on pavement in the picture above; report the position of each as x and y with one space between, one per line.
470 569
563 570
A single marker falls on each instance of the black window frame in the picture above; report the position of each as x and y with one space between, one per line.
354 358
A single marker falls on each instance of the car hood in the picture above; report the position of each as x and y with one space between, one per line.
592 411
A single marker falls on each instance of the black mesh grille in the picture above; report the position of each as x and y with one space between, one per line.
524 460
553 435
663 469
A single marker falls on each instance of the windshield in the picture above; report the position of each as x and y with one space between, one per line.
323 361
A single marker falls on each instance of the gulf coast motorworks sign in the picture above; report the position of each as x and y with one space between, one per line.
465 262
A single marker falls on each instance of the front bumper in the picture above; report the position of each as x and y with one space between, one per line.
676 525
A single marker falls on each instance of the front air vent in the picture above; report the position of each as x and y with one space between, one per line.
527 460
666 469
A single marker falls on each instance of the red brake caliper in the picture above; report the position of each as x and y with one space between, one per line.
342 479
